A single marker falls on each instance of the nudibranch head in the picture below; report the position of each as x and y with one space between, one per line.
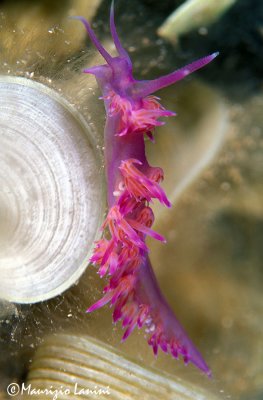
117 75
123 94
117 72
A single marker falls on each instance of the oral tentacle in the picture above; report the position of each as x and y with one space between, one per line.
145 88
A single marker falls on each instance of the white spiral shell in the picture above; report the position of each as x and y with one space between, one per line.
51 192
81 364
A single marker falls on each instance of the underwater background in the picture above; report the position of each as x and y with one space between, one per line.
210 270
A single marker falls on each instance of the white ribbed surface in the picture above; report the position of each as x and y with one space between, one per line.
64 361
51 197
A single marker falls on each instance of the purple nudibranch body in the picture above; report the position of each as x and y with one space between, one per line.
122 254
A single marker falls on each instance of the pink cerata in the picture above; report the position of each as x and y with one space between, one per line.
122 255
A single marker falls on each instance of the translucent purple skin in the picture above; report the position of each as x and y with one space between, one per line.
116 77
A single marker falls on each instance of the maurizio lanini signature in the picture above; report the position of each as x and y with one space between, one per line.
14 389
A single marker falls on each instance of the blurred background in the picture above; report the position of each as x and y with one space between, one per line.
212 154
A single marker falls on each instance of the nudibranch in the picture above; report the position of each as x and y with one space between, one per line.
122 256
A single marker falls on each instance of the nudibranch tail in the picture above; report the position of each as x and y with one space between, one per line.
121 255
